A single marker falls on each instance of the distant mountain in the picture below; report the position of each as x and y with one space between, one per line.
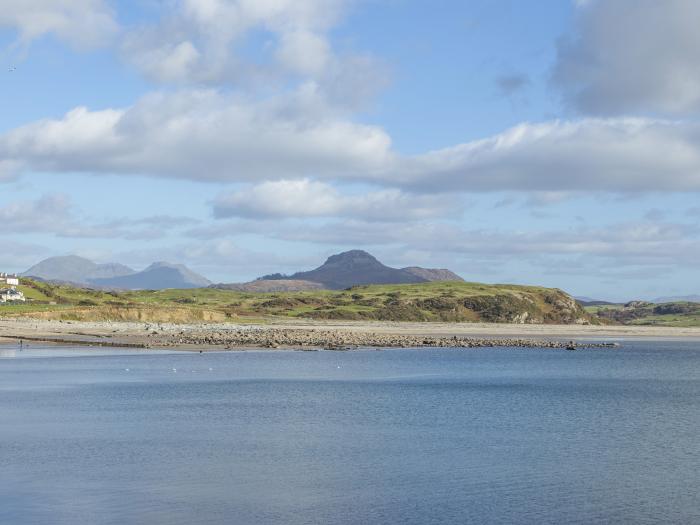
678 299
157 276
83 272
588 301
357 267
430 274
74 269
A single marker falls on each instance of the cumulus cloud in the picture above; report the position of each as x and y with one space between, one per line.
207 136
81 23
203 135
306 198
55 214
632 56
613 155
230 41
629 243
42 215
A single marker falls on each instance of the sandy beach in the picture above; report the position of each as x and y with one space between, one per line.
310 334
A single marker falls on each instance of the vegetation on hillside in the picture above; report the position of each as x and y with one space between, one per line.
681 314
432 301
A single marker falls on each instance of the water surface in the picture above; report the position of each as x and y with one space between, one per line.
399 436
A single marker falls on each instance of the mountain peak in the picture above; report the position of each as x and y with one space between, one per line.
81 271
76 269
163 264
352 257
353 268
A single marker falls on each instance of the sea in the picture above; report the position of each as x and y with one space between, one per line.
405 436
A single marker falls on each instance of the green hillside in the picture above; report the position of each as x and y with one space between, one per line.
680 314
433 301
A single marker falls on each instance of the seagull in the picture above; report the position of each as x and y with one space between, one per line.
12 68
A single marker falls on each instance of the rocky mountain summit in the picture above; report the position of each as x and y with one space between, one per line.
352 268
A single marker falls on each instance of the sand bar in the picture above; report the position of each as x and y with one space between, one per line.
322 334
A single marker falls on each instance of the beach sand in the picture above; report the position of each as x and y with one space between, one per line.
321 334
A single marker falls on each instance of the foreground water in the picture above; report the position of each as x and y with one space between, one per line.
398 436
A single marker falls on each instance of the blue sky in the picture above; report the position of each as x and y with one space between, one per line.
553 142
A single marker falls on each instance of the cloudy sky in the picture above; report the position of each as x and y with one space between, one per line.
554 142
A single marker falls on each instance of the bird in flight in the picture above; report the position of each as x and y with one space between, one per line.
12 68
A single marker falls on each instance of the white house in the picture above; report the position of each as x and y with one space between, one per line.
9 280
10 295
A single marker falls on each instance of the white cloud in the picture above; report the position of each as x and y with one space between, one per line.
641 243
306 198
207 136
632 56
55 214
45 214
612 155
81 23
169 62
201 41
304 52
202 135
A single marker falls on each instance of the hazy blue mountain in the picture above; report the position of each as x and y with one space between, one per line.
83 272
71 268
157 276
588 301
678 299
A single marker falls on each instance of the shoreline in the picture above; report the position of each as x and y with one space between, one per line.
332 335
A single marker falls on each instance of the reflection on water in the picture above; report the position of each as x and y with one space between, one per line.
415 436
30 350
8 352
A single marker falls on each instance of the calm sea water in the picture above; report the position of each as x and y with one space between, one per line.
399 436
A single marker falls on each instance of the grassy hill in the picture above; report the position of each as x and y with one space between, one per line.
680 314
432 301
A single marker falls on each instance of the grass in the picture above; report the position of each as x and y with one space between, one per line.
435 301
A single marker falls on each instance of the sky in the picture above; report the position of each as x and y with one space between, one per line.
554 143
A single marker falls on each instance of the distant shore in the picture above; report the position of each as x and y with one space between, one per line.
329 334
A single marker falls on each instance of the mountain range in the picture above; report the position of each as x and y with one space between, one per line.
340 271
678 299
84 272
344 270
